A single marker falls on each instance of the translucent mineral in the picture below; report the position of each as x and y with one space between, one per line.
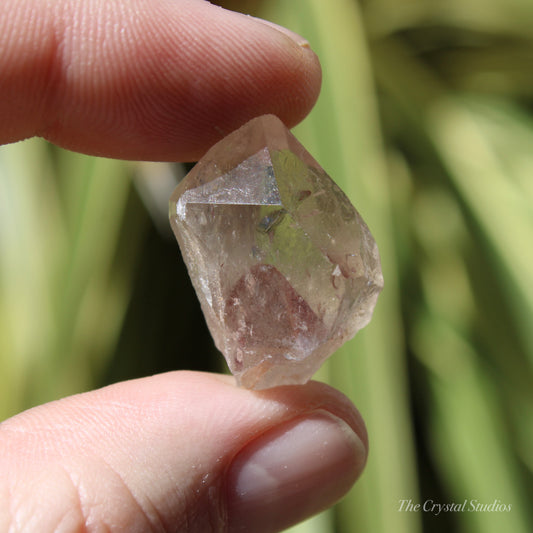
284 266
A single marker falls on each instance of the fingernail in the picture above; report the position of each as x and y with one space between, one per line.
298 39
293 472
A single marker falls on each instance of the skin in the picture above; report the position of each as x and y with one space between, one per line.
163 80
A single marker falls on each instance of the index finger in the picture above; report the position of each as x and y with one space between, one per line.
153 80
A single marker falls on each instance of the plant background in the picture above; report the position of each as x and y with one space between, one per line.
425 119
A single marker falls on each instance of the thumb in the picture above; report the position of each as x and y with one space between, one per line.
179 452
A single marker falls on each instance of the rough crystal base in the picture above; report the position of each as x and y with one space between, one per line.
284 267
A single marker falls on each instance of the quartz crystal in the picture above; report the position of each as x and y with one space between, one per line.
284 266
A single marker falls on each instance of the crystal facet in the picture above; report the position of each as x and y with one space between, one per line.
285 268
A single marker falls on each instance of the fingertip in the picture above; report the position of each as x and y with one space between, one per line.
237 68
316 395
190 449
292 472
147 80
297 38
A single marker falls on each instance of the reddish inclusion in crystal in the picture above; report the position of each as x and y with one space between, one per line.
263 305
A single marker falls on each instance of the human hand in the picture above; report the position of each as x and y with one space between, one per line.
158 80
182 451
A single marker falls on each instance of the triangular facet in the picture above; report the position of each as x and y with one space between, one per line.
250 183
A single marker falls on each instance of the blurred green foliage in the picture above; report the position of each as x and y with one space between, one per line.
425 119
